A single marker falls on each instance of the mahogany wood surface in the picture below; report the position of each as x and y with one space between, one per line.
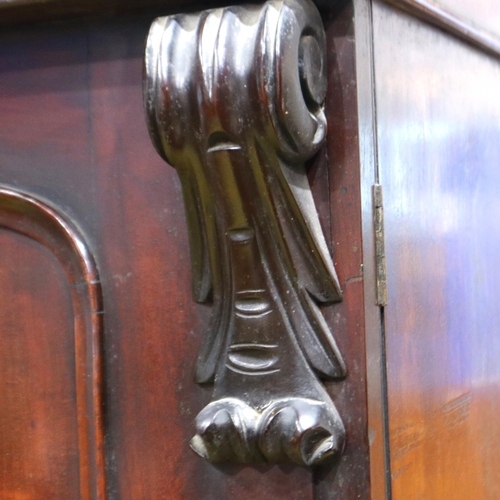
351 478
369 176
51 421
39 445
73 132
438 111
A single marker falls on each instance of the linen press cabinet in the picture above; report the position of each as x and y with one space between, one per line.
99 329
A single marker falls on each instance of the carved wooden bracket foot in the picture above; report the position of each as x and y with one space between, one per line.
234 101
298 430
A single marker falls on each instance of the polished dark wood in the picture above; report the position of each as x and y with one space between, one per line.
438 135
51 386
73 132
239 134
342 195
424 110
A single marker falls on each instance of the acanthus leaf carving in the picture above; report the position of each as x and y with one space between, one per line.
234 101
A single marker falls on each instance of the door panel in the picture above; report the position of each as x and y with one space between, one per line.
73 133
39 445
439 151
51 418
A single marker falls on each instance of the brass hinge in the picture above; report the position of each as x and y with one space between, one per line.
380 267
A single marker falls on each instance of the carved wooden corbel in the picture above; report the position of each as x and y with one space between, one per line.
234 101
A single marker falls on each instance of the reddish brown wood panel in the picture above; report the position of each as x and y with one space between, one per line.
73 131
438 134
39 445
51 419
72 98
155 326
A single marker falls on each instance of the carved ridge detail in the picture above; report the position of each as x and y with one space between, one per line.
234 99
296 430
32 217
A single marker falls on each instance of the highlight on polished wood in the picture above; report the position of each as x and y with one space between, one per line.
439 153
51 382
243 112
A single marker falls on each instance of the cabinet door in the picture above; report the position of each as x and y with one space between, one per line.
74 139
439 150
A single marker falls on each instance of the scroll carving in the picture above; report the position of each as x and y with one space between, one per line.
234 101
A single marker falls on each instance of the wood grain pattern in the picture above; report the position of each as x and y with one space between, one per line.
35 395
439 151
